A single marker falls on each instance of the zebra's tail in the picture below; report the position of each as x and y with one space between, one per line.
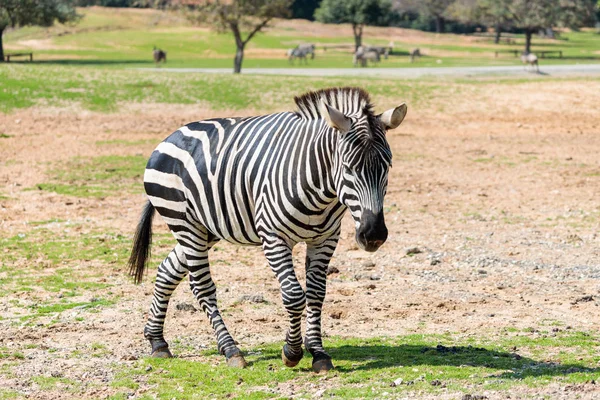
141 244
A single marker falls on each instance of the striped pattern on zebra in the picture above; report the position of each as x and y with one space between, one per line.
273 180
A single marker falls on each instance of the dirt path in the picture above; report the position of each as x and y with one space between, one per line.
493 212
545 70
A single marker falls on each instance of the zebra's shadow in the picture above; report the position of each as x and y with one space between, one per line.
510 365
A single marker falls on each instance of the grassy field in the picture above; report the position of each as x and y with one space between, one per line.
76 128
120 37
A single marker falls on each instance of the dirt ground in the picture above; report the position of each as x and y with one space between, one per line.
492 208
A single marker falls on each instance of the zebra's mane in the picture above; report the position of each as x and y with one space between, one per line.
352 101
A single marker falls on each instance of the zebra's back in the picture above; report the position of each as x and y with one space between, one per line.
221 173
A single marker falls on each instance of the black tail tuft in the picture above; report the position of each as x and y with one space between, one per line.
141 244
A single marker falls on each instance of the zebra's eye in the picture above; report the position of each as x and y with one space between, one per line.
348 167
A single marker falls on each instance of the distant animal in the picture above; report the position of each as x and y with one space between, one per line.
414 53
308 48
530 59
159 55
383 51
362 55
272 181
298 53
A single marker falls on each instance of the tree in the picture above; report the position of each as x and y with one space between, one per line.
305 9
495 13
436 9
533 15
356 12
14 13
236 16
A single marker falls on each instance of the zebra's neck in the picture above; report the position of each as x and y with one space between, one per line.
320 160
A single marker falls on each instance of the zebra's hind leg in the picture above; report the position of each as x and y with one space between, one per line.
279 256
317 261
205 291
170 273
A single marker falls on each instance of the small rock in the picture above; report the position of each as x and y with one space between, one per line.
185 307
374 277
583 299
337 314
397 382
436 382
371 286
56 374
253 298
572 239
413 250
435 261
319 393
332 270
129 357
474 397
368 264
148 368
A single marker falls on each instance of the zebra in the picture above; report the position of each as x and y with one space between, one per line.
159 55
363 55
530 60
308 48
299 53
272 181
414 53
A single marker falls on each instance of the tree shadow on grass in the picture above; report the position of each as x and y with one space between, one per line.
382 356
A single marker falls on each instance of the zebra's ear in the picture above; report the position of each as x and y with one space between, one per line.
391 119
335 118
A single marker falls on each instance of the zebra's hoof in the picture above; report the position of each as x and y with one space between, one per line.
237 361
322 365
162 352
291 360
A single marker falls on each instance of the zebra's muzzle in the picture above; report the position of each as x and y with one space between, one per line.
371 232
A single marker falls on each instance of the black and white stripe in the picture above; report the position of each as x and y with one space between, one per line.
273 180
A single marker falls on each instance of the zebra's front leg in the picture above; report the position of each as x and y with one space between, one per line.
317 261
279 257
170 273
205 291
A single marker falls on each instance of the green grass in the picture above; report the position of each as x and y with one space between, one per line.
60 248
366 368
97 177
57 308
107 89
50 383
6 394
117 37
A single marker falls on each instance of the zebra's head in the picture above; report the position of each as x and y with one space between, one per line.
361 166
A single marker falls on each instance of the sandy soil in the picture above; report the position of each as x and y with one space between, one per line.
497 190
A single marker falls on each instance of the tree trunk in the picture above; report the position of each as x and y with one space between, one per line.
357 30
439 24
498 34
1 45
528 33
239 52
237 61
